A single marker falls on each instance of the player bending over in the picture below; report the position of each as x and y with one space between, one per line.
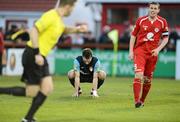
86 69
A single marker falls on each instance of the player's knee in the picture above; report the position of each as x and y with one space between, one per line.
147 79
47 86
50 90
47 90
139 75
102 74
31 94
32 91
71 74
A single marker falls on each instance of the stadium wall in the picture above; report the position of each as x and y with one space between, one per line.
165 67
61 61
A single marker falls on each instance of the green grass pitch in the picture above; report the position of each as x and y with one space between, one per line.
114 105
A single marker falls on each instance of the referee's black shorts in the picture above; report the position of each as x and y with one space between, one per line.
33 73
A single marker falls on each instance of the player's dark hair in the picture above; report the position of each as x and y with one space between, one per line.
154 3
87 53
67 2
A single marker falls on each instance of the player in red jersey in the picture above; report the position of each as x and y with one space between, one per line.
144 48
1 49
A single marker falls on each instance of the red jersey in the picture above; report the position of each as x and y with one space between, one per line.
1 42
148 33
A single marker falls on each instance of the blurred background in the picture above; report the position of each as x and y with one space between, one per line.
101 17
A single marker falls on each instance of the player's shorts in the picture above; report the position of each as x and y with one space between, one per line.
145 63
86 79
33 73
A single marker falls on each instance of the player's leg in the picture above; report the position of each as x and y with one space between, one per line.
139 63
27 60
137 88
71 77
101 78
46 87
148 74
32 90
29 90
38 80
15 91
146 88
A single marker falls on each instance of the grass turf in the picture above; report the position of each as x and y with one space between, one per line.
114 105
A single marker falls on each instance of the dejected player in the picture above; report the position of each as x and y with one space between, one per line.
144 48
43 37
86 69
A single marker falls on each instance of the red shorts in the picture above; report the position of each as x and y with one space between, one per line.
145 62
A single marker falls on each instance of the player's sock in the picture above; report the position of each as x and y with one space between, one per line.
137 89
79 91
100 83
72 82
146 88
36 103
16 91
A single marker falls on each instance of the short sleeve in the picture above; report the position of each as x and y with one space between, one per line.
136 28
97 66
44 22
165 31
76 65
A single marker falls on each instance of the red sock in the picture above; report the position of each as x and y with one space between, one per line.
137 89
146 88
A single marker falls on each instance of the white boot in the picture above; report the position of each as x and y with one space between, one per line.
94 93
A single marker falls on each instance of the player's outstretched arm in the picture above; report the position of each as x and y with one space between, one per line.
77 29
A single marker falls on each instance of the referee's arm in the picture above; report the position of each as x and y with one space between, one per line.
77 29
34 37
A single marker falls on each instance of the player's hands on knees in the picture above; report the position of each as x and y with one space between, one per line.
82 28
155 52
131 55
39 60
